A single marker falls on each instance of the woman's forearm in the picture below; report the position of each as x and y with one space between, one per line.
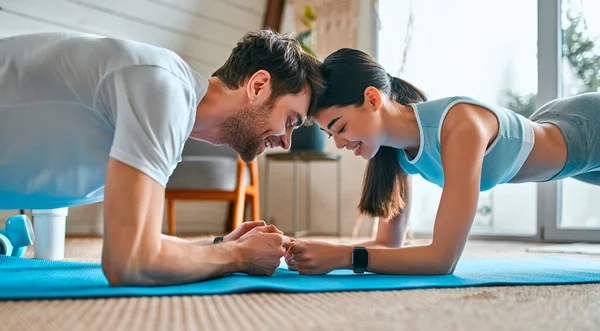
373 244
392 232
415 260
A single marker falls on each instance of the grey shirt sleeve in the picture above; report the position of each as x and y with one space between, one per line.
153 112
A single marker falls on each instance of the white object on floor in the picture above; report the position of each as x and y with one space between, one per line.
577 248
49 227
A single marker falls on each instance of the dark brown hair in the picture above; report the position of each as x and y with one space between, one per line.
291 69
347 73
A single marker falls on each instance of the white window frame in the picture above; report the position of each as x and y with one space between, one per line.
549 87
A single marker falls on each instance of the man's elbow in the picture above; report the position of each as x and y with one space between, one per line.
121 272
114 275
118 275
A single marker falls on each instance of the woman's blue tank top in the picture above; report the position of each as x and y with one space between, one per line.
503 158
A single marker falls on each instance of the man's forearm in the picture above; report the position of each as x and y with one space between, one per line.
134 252
197 242
180 262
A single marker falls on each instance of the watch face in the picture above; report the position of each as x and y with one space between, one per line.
360 258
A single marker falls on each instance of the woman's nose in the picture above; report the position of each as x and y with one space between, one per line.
339 142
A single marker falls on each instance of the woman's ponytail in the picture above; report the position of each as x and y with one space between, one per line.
383 184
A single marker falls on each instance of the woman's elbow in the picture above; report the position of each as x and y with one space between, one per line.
444 264
441 269
447 268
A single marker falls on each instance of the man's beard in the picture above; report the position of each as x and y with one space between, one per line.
243 131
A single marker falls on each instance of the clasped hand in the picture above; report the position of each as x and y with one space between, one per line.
260 247
313 257
263 246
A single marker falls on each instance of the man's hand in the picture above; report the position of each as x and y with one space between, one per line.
315 257
244 228
261 250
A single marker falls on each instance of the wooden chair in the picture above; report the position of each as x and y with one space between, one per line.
205 174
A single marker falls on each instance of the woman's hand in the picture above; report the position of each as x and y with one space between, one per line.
316 257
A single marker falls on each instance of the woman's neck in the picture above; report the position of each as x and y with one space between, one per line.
400 126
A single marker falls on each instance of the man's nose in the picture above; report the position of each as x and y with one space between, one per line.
286 139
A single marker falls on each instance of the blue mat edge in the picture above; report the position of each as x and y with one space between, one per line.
130 291
270 290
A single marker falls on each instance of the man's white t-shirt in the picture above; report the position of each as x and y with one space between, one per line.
69 101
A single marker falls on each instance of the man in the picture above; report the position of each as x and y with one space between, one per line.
85 119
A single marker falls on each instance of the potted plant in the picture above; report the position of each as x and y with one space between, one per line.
308 138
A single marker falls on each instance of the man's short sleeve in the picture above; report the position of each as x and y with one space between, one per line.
154 112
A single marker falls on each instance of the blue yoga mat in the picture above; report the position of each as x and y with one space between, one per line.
35 279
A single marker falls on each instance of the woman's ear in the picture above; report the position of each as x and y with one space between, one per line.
373 99
259 85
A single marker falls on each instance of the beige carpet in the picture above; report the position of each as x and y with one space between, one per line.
569 307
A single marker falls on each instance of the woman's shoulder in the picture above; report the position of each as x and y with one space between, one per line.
434 110
444 105
449 100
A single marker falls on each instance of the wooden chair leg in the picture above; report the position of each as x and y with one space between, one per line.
240 196
171 215
255 208
255 196
238 209
230 216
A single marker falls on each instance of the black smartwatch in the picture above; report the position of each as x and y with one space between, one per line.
360 259
217 240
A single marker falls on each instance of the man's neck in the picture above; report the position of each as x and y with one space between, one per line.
218 103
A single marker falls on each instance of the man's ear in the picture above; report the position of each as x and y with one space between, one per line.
373 99
259 85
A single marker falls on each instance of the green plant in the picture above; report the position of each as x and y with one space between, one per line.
307 38
581 52
579 49
522 104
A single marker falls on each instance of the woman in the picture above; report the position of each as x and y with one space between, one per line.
458 143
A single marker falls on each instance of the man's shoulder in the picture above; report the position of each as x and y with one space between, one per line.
156 59
138 53
114 53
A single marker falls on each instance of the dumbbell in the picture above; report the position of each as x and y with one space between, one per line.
17 236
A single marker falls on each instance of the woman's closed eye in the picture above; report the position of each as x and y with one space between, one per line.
329 135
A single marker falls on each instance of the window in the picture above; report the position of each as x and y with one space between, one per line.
486 50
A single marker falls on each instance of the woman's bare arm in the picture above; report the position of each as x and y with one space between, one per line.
392 233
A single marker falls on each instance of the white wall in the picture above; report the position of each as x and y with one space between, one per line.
203 32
